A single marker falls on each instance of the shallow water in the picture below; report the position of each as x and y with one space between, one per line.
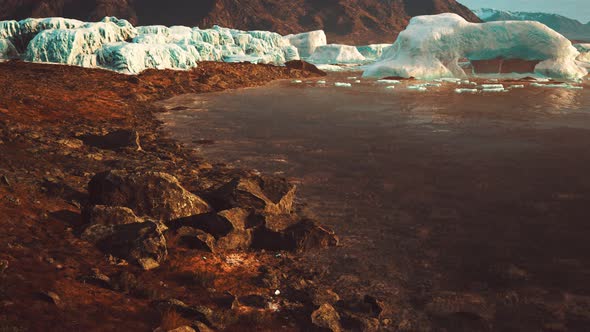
431 191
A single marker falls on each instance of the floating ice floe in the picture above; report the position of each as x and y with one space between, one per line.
516 86
492 86
321 82
343 85
560 85
417 87
431 47
390 87
296 81
466 90
385 81
357 81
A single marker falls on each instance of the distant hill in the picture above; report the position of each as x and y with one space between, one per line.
345 21
572 29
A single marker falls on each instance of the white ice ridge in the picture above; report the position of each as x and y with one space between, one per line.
117 45
432 46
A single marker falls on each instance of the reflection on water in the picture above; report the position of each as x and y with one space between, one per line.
431 191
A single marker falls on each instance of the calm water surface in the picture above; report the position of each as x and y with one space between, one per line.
431 192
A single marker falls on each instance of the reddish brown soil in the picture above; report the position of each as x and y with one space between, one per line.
43 183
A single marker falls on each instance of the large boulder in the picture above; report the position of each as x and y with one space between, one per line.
265 194
157 195
228 227
142 243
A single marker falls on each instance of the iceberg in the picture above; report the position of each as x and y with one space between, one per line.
432 47
75 46
336 54
584 50
307 42
7 50
134 58
343 85
374 51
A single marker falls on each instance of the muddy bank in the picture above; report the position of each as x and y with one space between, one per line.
108 224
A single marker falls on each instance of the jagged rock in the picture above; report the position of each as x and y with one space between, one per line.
273 222
306 66
304 235
270 195
326 317
196 239
228 227
96 233
200 313
321 296
97 278
142 243
154 194
71 143
111 215
202 327
51 297
114 140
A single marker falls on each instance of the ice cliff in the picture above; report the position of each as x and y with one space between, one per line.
433 46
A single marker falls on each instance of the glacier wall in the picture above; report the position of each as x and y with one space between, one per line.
432 46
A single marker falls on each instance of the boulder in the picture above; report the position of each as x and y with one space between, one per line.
304 235
118 139
153 194
266 194
228 227
305 66
326 317
142 243
196 239
110 215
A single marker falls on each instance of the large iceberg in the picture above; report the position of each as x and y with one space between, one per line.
336 54
307 42
432 47
373 51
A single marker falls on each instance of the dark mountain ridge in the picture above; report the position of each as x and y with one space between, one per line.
345 21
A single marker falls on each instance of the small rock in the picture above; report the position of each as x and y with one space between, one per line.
148 263
326 317
321 296
3 265
71 143
178 329
51 297
305 66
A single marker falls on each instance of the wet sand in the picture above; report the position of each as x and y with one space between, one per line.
464 212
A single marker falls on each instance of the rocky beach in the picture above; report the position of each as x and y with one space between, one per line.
109 224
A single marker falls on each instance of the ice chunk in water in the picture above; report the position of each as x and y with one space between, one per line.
343 85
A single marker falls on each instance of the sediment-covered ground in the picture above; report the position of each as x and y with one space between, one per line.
110 225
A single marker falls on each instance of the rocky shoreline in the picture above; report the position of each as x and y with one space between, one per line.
111 225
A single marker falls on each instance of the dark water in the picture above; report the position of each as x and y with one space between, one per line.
433 193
